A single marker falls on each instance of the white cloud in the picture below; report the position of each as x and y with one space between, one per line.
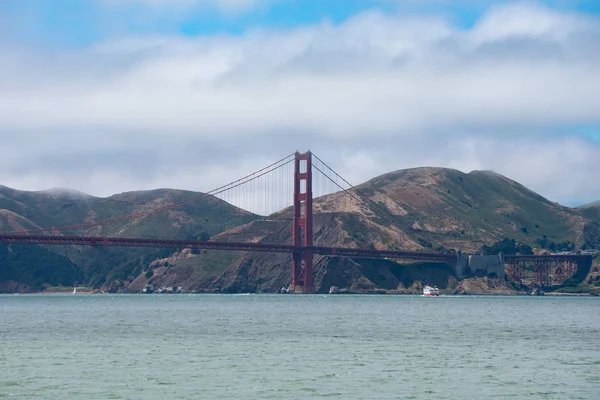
399 91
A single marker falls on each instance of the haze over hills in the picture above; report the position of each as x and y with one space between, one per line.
591 205
432 209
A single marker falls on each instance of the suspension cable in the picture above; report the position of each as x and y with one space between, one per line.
395 221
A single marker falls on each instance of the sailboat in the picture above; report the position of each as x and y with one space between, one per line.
75 289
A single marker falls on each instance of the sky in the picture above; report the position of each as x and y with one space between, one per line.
107 96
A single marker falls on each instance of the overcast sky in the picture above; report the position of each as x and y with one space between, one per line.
106 96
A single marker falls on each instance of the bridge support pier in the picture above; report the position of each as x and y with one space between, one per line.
302 225
302 280
479 264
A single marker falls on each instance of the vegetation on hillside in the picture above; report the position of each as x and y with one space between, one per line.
567 245
35 266
506 246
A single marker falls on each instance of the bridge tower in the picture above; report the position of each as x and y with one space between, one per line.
302 225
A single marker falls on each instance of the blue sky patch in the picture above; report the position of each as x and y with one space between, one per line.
82 22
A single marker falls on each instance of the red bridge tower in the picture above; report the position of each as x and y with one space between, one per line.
302 225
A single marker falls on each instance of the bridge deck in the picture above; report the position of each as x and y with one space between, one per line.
264 248
213 245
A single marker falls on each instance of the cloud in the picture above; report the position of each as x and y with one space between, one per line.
381 91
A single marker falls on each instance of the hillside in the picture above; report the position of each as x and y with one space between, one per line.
21 210
416 209
463 211
591 211
431 209
58 207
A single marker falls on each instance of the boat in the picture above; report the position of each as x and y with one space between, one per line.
429 291
75 289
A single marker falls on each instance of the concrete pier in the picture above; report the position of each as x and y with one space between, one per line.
479 265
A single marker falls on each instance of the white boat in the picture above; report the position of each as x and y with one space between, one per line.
429 291
75 289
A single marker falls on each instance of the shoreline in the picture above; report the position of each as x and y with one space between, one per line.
96 292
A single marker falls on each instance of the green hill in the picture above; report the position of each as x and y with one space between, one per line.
431 209
21 210
463 211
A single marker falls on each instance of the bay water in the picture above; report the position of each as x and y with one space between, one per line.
291 347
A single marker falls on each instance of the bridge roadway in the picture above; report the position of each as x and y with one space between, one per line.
548 258
213 245
270 248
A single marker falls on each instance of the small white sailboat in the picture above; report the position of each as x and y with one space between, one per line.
75 289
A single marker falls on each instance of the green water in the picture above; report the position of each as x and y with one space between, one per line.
292 347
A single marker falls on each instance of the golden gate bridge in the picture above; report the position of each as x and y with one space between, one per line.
309 174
